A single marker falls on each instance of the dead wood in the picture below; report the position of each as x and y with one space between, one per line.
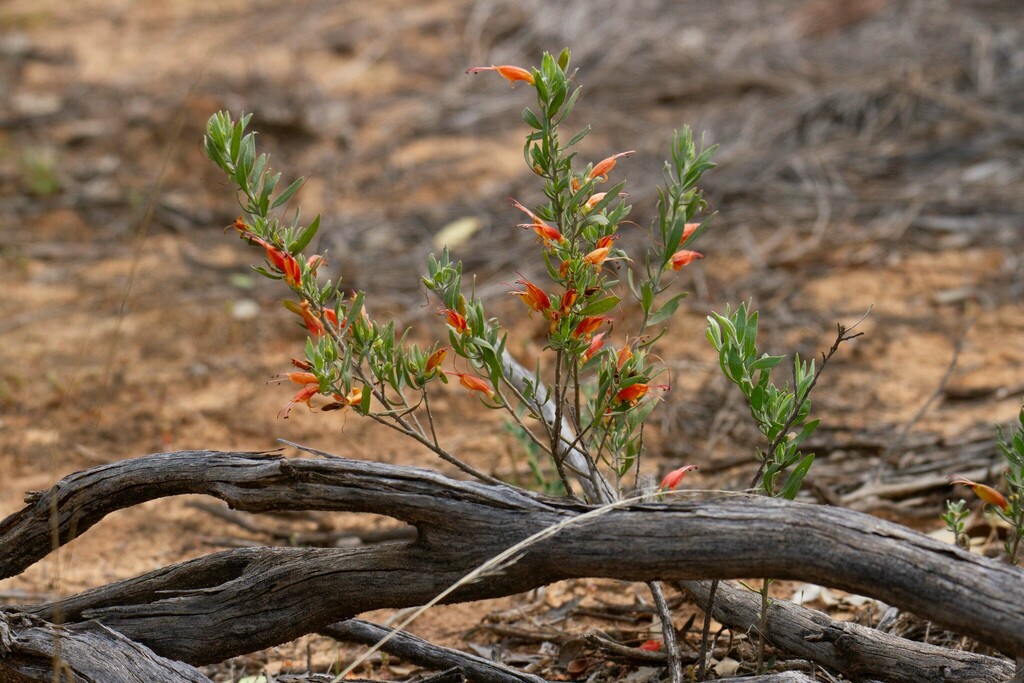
33 651
418 651
856 651
240 600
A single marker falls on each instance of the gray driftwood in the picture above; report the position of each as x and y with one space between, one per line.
240 600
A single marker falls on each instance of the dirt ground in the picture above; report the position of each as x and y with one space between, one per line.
870 158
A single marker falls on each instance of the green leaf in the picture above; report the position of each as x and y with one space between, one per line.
531 119
667 310
601 306
306 237
765 362
288 193
579 136
796 478
364 405
563 59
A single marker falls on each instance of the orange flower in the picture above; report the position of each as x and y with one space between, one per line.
305 395
986 493
354 398
455 320
625 353
511 73
600 171
568 299
309 318
684 257
675 477
589 325
548 233
688 230
314 262
634 392
597 256
474 383
534 297
606 241
435 359
589 205
595 345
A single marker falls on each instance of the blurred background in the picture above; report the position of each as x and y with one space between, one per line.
870 157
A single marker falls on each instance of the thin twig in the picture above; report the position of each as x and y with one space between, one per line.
668 633
705 635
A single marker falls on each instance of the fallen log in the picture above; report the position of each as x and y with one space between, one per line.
856 651
240 600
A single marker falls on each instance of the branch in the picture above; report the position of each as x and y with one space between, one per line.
33 651
240 600
856 651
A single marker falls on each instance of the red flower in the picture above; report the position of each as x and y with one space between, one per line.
568 299
986 493
534 297
651 646
455 320
684 257
600 171
595 345
589 325
547 233
634 392
305 395
474 383
675 477
309 318
511 73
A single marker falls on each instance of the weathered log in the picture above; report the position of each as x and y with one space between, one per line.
856 651
240 600
34 651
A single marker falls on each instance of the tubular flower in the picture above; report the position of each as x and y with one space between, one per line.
305 395
595 345
674 478
625 353
688 230
684 257
650 646
634 392
589 325
986 493
534 297
281 260
600 171
568 299
547 232
606 241
474 383
455 320
309 318
511 73
435 359
354 398
301 363
597 256
590 203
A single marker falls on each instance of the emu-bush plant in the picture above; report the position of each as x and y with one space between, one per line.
600 378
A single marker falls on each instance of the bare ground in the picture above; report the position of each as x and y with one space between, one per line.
870 157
